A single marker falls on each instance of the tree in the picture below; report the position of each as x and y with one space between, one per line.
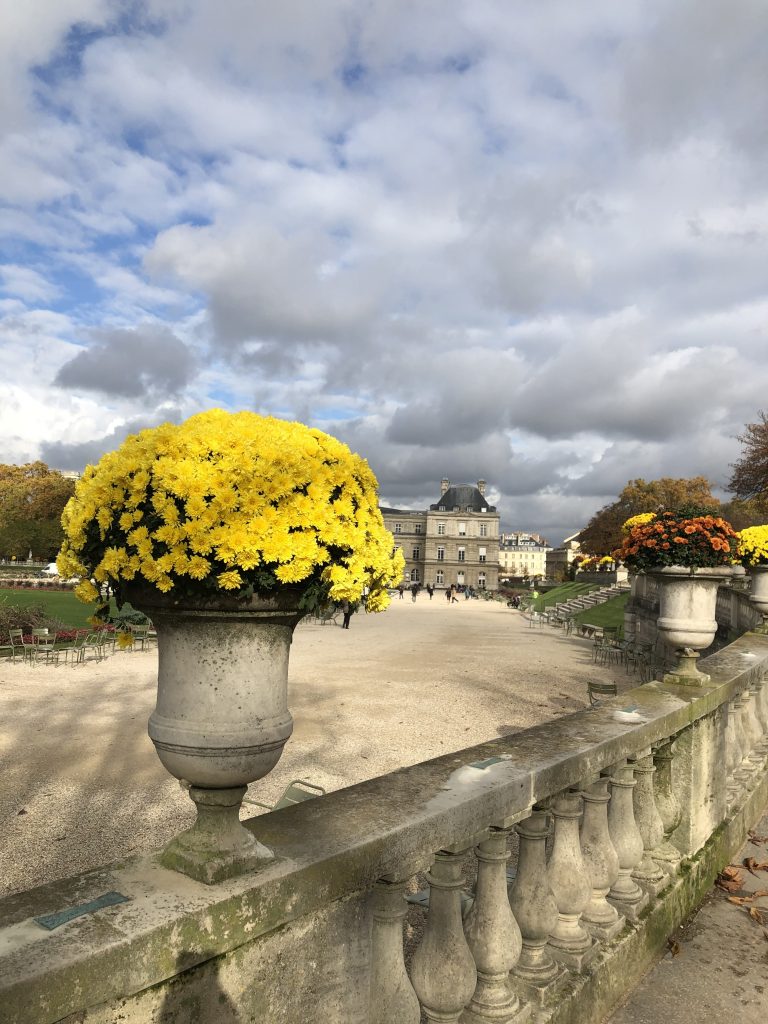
602 534
32 498
750 472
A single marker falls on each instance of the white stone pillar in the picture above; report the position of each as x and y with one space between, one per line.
443 970
534 907
569 942
762 711
625 892
754 725
600 919
667 805
392 995
648 874
494 939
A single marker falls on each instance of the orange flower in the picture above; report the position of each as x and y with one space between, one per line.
665 544
690 528
680 540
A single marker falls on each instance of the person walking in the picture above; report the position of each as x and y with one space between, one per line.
430 590
347 610
414 592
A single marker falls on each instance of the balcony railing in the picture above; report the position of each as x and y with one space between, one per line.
616 818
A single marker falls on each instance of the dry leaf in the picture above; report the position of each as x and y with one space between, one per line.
756 839
750 864
765 934
730 879
740 901
755 914
673 946
760 892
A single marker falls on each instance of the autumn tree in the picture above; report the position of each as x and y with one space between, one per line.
602 534
750 473
32 498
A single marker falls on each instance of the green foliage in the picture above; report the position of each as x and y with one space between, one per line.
32 498
602 534
26 617
61 605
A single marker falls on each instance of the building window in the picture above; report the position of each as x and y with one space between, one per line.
414 575
441 529
481 580
416 554
481 555
462 529
469 508
440 576
398 527
460 578
441 508
440 553
483 529
462 554
417 528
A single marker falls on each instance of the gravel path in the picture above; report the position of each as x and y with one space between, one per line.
81 783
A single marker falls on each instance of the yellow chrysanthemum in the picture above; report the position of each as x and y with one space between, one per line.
226 500
639 520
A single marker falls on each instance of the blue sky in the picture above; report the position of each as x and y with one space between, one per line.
473 238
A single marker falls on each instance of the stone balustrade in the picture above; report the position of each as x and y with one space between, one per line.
616 820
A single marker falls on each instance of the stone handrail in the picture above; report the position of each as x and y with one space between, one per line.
317 934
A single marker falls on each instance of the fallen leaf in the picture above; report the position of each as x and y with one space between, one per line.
760 892
754 838
673 946
730 879
740 901
765 934
755 914
750 864
22 811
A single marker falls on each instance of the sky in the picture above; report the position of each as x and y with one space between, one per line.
523 242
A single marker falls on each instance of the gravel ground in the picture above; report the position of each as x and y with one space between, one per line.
81 783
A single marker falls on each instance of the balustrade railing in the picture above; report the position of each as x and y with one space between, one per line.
599 811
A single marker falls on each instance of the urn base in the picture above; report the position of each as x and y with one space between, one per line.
686 673
217 846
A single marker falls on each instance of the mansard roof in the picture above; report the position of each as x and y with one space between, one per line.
463 496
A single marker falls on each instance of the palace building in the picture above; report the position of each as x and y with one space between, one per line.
455 541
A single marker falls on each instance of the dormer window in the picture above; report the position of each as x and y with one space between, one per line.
441 508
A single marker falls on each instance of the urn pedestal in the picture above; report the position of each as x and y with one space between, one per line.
221 719
758 593
687 603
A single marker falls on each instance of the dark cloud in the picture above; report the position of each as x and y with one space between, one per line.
149 360
73 455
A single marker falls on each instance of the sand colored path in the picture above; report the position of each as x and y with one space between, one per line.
81 784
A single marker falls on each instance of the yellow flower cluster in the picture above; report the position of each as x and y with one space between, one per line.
639 520
752 546
229 500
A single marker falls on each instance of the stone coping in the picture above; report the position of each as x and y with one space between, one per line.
327 848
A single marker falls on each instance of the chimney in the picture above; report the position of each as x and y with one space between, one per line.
481 487
445 483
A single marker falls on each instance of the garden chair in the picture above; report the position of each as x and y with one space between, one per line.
44 645
597 690
77 650
17 646
296 792
140 636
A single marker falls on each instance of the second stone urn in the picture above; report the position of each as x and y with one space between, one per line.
221 719
687 604
758 593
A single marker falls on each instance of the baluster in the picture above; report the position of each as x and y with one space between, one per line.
667 805
600 919
443 971
746 773
735 753
627 840
494 938
762 712
569 942
393 1000
534 908
648 874
754 725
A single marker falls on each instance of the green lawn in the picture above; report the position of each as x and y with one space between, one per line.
60 604
562 593
609 614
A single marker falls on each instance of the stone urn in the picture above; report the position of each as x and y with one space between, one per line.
687 623
758 593
221 719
